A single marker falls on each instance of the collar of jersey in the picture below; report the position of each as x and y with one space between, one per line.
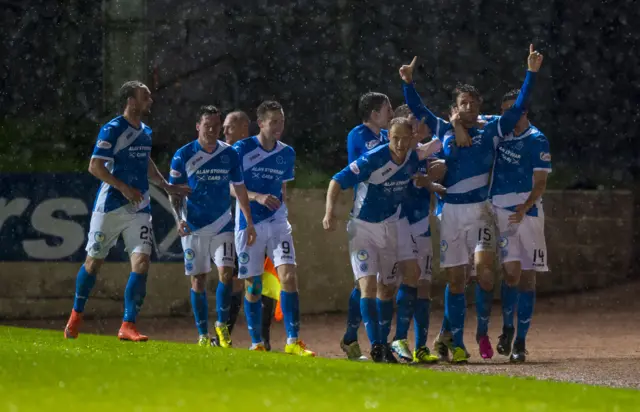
521 136
255 139
132 126
199 146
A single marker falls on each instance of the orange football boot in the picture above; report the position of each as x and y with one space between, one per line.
128 331
72 329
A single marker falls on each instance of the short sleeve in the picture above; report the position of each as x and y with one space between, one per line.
541 155
358 171
178 174
289 174
355 145
236 170
105 144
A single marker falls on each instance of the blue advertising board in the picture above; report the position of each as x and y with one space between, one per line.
45 217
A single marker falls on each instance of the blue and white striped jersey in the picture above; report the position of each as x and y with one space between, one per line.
126 151
207 208
361 139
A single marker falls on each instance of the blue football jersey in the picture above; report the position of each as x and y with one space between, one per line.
264 172
207 209
416 205
381 184
468 168
361 139
126 152
517 158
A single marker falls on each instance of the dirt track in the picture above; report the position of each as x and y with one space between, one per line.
590 338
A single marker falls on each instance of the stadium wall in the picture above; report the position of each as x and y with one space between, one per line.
589 235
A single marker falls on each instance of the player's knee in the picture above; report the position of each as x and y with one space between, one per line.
288 278
254 288
385 292
410 272
457 279
199 283
485 276
527 281
93 265
512 273
424 289
368 287
225 275
140 263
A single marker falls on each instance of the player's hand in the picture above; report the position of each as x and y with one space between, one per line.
535 59
132 195
183 228
437 169
517 217
406 71
269 201
462 139
177 190
329 223
251 235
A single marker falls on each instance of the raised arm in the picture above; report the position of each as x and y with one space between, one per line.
508 121
414 101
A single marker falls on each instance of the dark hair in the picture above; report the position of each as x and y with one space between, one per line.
401 121
466 88
402 111
240 115
127 90
267 106
511 95
208 110
369 102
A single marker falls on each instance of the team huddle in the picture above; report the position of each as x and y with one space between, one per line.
488 173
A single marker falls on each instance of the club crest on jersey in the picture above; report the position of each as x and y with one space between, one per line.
279 160
103 144
362 255
545 157
224 159
243 258
174 173
444 246
519 145
99 237
354 168
371 144
504 242
189 254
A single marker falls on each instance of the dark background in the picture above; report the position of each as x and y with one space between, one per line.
316 58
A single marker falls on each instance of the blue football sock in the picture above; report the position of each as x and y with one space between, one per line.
509 298
526 301
421 321
385 316
455 311
484 299
446 325
223 301
253 313
84 283
406 300
369 313
200 307
353 317
134 295
290 302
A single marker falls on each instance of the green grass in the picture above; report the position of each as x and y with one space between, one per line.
41 371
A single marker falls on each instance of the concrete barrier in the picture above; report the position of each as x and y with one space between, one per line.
589 237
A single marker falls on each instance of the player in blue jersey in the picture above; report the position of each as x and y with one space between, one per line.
414 294
121 160
268 164
208 167
466 218
376 238
375 111
523 162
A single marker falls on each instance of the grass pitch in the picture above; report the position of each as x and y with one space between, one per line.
39 370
